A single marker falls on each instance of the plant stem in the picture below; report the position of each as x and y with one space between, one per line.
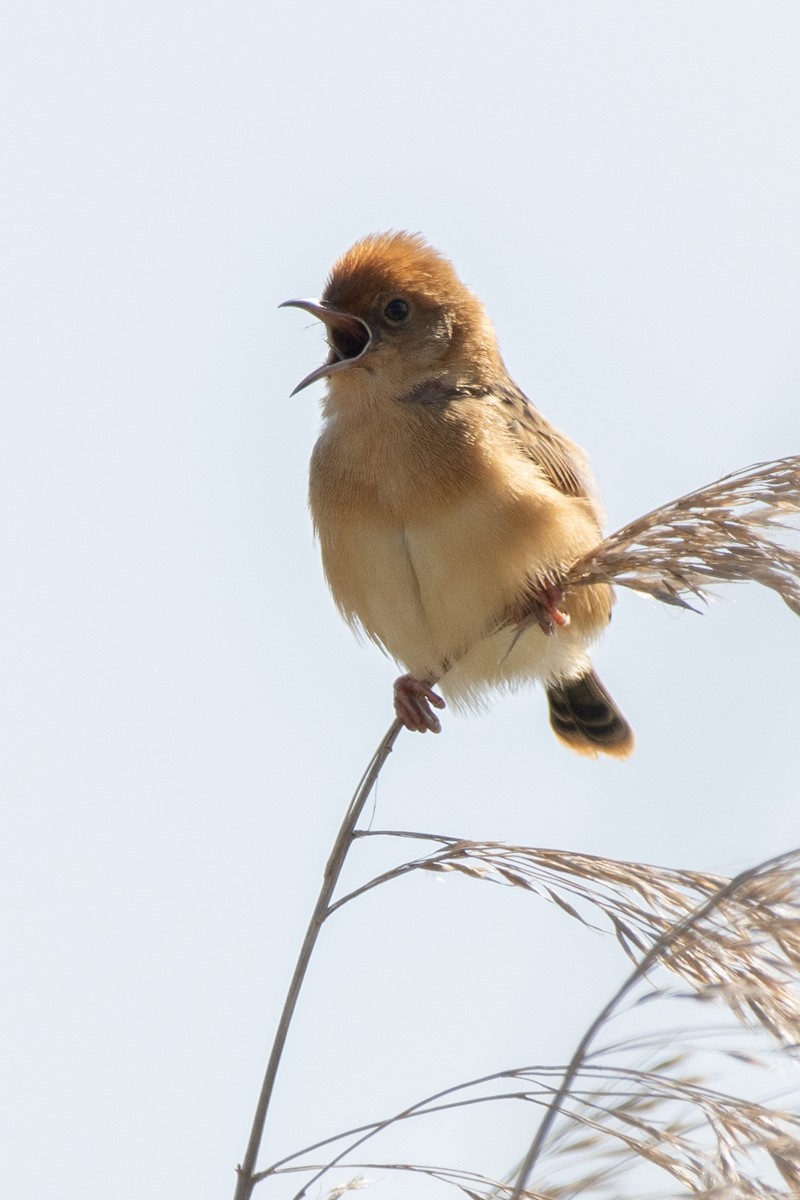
245 1173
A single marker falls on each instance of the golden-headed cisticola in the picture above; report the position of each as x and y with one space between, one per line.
447 507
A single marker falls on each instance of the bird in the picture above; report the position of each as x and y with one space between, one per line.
447 508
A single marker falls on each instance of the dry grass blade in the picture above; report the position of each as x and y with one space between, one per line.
745 952
718 534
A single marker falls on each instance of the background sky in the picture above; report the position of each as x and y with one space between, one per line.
184 716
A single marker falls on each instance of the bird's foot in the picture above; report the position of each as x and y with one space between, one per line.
547 611
412 704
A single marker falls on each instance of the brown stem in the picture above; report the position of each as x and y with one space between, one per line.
245 1173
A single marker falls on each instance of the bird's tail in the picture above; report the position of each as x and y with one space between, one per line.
585 718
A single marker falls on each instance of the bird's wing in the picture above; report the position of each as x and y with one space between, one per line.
557 457
561 462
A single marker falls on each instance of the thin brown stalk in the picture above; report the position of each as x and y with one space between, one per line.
245 1172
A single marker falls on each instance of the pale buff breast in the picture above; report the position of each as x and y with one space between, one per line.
430 580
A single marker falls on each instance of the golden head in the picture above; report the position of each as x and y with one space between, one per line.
397 315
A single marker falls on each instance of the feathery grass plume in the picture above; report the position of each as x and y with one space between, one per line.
626 1126
718 534
744 952
762 906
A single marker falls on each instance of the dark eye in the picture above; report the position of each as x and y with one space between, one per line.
396 310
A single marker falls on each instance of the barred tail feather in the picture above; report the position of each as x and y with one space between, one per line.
585 718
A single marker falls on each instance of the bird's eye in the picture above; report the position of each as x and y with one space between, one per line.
396 310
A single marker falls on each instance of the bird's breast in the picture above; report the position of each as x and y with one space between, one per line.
426 552
425 588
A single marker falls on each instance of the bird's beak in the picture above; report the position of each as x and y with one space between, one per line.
348 337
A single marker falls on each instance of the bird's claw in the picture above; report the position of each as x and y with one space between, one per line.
412 704
549 614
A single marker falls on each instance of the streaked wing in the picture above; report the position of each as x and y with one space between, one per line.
560 459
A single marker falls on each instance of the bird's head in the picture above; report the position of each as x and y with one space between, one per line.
397 315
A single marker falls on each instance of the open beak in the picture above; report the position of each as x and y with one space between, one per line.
348 337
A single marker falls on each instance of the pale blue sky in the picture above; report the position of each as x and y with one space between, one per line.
184 715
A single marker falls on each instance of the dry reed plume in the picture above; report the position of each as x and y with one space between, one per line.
718 534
